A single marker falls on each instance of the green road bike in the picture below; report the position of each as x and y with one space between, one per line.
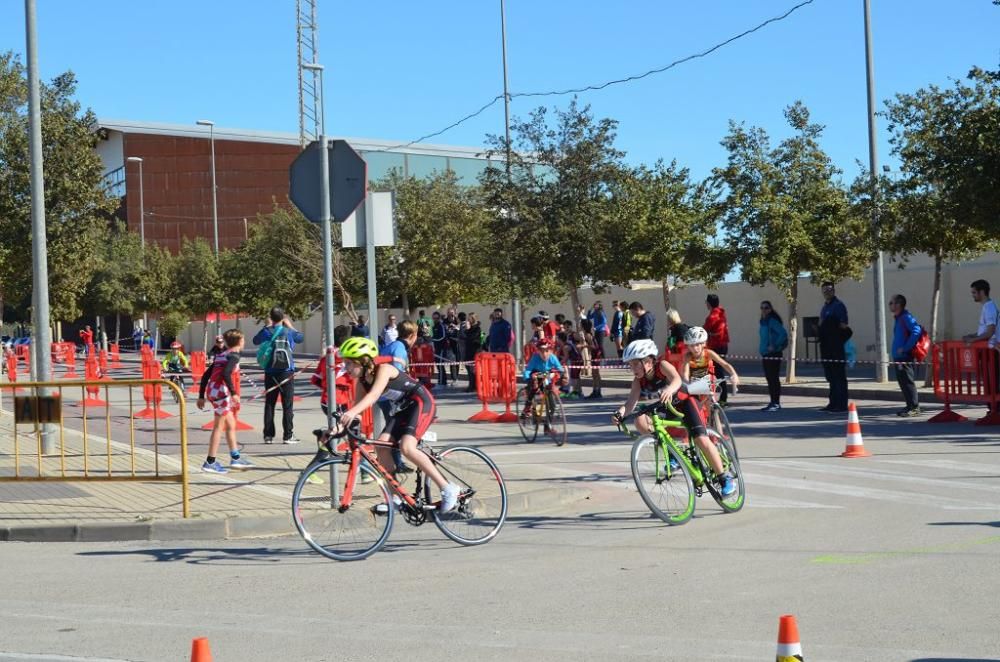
669 474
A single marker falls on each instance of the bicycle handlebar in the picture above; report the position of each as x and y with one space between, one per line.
648 408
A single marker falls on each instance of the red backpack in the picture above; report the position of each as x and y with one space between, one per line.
923 346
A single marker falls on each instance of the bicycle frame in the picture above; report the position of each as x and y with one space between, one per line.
661 430
357 453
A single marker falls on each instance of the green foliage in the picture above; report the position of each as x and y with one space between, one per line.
155 291
116 280
77 209
173 324
784 212
196 280
949 140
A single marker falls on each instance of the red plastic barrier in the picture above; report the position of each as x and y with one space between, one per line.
69 353
496 381
529 351
116 359
199 363
422 353
11 360
102 364
91 373
23 353
152 393
966 372
57 352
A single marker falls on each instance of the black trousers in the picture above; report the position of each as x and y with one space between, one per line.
720 373
772 366
287 393
904 375
835 371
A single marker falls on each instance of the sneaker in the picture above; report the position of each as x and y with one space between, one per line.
315 479
595 395
290 440
906 413
449 498
268 440
383 509
214 468
673 466
240 463
774 406
727 486
404 469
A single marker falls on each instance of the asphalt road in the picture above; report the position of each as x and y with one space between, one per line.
893 557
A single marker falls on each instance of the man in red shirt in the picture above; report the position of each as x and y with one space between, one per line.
87 336
551 328
718 338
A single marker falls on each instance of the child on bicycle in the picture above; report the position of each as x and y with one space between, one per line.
542 364
217 386
698 361
175 362
651 373
410 414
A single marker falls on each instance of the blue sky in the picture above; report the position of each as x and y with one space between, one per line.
398 70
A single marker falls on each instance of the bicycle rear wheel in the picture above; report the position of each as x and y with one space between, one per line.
482 503
730 463
667 491
555 418
344 534
527 421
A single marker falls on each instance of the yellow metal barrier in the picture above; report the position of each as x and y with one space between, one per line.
42 405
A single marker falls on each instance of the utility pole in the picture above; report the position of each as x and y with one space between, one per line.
515 316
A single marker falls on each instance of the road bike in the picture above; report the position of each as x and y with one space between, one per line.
545 410
345 502
711 409
177 377
669 474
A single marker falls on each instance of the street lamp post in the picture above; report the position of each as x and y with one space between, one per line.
142 224
215 207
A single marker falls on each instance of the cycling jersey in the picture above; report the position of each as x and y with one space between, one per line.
698 368
411 406
175 361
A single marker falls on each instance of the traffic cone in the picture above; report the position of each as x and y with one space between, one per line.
789 647
855 444
200 652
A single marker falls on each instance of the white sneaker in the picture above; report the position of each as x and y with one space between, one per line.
290 440
449 498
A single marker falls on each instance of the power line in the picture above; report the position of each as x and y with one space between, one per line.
590 88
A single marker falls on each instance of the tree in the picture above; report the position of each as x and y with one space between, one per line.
668 231
77 209
555 211
112 289
785 213
198 283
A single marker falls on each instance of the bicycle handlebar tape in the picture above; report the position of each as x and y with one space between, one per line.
855 444
789 647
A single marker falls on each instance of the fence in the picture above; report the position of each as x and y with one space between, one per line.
969 373
496 381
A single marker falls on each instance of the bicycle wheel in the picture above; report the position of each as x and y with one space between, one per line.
482 503
720 421
527 421
667 491
555 418
344 534
730 463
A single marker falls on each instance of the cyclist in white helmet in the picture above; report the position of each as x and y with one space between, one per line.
699 361
652 373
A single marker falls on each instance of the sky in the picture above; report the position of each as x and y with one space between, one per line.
397 70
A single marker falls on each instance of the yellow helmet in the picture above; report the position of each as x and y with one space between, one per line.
357 347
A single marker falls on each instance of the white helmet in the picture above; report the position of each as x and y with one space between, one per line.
640 349
695 335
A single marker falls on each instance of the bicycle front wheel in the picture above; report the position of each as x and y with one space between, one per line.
343 533
720 421
731 464
527 421
666 487
555 418
482 502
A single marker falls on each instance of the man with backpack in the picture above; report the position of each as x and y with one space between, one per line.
276 343
906 333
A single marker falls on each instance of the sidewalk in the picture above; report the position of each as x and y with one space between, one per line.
254 502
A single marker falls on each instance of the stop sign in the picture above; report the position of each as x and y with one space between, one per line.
348 181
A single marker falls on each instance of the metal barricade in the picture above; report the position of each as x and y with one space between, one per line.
85 449
965 372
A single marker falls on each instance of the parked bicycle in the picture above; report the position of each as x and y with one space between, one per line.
669 474
345 502
545 410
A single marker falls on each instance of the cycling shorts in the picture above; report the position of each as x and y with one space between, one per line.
412 419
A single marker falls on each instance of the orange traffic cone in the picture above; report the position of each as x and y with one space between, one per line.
200 651
789 647
855 444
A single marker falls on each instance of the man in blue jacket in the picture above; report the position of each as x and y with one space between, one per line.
498 339
281 378
906 332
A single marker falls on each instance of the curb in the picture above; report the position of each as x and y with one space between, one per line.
230 528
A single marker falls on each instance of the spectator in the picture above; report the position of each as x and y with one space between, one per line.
773 340
600 322
452 328
218 348
593 356
137 338
989 324
833 333
423 325
537 329
581 313
551 328
87 336
473 345
359 328
147 339
439 336
617 327
906 332
498 338
676 330
279 379
572 358
718 339
399 351
644 324
389 333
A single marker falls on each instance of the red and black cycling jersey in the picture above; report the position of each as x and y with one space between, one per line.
411 405
658 381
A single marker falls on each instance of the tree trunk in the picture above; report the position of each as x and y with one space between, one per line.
935 308
574 297
204 340
793 332
666 294
406 305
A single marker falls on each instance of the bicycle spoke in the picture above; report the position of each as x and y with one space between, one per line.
482 504
666 487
